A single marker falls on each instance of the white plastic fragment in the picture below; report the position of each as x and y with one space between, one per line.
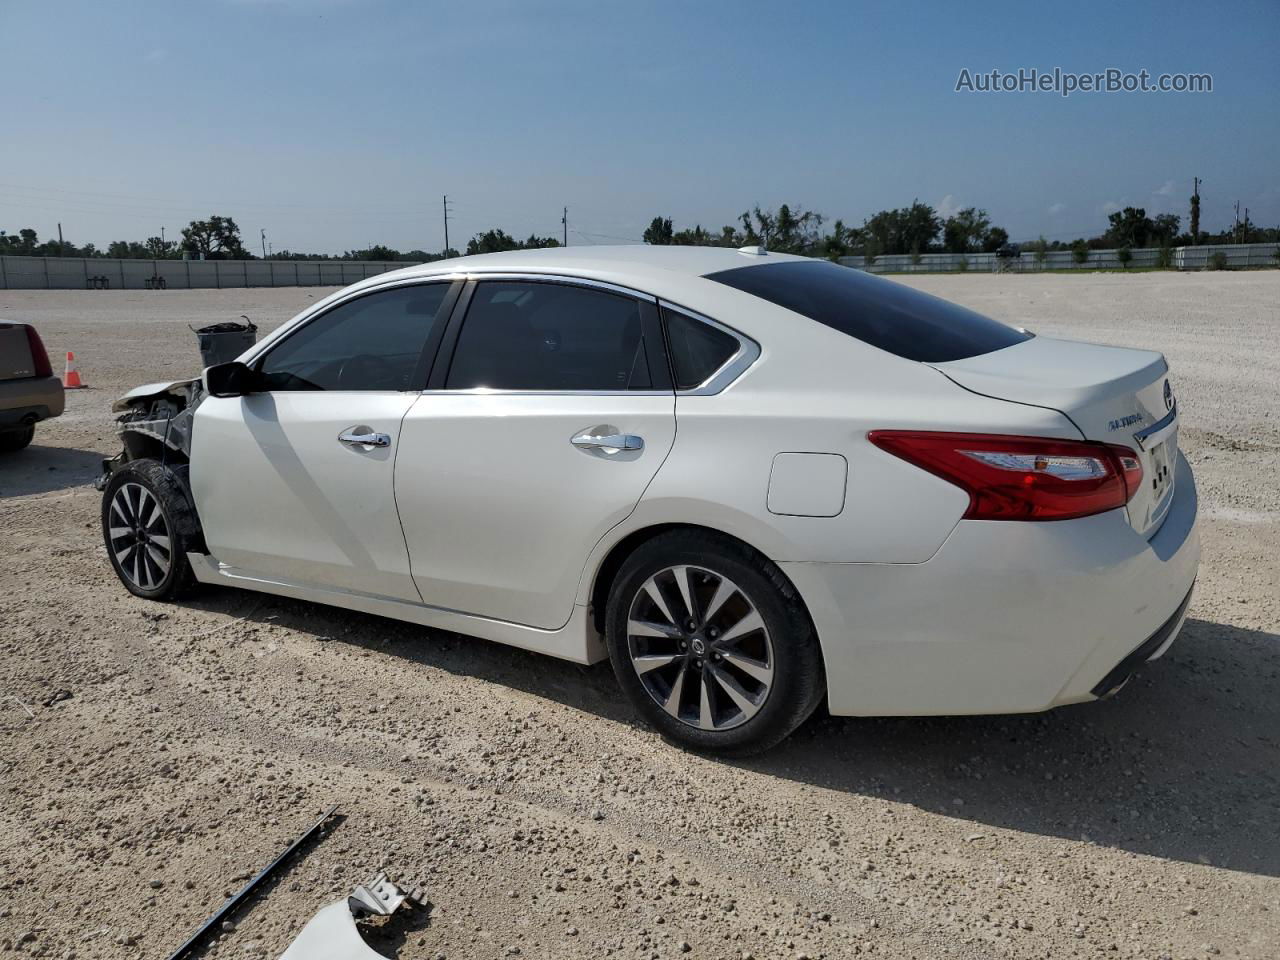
332 935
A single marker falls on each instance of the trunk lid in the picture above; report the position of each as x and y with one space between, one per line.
1112 394
16 362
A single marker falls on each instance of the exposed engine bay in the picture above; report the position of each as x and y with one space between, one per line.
155 421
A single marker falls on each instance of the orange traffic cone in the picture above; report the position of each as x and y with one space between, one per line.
71 380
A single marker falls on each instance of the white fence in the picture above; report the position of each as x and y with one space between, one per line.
1182 258
75 273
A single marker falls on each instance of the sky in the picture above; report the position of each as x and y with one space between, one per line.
337 124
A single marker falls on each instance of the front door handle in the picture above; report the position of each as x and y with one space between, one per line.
609 442
362 437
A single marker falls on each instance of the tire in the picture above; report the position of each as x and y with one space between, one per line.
11 441
763 677
154 571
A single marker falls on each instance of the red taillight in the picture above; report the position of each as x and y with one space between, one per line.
1131 466
1021 478
39 358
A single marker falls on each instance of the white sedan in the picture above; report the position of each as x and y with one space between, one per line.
752 481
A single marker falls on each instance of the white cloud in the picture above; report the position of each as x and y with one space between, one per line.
948 207
157 55
1166 190
1056 209
1109 207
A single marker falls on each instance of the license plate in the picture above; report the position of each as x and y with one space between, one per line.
1161 471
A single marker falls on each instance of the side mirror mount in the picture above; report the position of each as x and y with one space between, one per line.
233 379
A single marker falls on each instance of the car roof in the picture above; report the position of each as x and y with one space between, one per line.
638 263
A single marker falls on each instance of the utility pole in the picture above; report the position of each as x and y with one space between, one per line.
445 204
1195 213
1235 227
62 251
163 247
264 242
1244 228
565 220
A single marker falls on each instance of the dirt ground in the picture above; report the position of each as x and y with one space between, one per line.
151 756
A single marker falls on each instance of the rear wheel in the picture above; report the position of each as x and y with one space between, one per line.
148 526
12 441
712 644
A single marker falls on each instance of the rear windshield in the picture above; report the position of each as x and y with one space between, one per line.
887 315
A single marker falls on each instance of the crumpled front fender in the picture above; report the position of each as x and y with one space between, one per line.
151 390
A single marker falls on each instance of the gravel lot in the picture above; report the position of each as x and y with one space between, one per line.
151 756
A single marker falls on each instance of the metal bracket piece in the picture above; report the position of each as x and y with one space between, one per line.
379 896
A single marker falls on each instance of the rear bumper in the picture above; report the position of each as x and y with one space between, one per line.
1151 648
30 399
1006 617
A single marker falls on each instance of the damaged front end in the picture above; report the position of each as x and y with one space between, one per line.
155 422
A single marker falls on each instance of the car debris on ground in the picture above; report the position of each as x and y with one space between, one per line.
332 933
221 919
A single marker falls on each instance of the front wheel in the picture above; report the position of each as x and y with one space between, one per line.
148 526
712 644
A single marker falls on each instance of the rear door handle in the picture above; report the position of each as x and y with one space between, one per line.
612 441
364 439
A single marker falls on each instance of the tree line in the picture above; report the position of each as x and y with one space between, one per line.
919 228
911 230
218 238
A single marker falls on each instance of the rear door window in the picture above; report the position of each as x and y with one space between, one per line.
526 335
888 315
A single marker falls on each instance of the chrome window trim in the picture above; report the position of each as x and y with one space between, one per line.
747 354
738 364
1145 434
289 328
564 278
489 391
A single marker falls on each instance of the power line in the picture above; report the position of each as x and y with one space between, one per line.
84 199
150 212
607 236
50 200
